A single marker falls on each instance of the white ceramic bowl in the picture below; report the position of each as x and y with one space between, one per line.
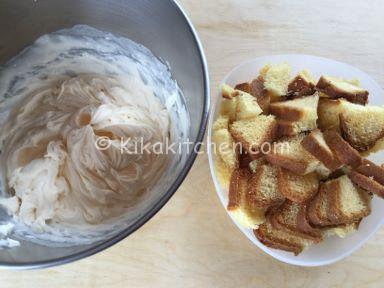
332 249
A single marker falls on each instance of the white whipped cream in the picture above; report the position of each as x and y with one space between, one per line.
6 242
5 229
60 96
51 161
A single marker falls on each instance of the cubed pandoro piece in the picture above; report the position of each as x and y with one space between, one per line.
229 102
362 126
276 78
347 203
297 188
346 154
256 89
225 148
317 212
255 132
238 105
247 214
315 144
369 176
247 106
291 217
303 84
328 113
222 122
340 88
263 189
281 239
289 154
297 115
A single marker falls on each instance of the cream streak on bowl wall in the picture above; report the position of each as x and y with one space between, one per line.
58 96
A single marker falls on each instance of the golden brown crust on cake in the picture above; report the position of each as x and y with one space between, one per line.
265 236
341 148
257 87
333 200
297 188
337 173
228 92
289 154
318 209
320 150
336 212
302 109
292 128
367 183
328 112
244 159
258 90
243 211
303 224
326 86
286 218
253 140
285 128
371 170
245 87
299 166
351 138
237 186
275 237
300 86
263 189
338 202
292 114
296 115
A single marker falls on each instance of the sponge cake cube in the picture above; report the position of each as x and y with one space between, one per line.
339 88
253 133
315 144
247 106
362 126
222 122
243 211
347 202
297 188
263 188
276 78
225 148
346 154
289 154
302 85
297 115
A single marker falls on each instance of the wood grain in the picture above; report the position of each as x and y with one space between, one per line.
192 242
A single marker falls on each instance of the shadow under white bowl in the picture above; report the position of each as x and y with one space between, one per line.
334 248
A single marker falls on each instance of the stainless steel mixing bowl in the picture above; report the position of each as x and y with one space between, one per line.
160 25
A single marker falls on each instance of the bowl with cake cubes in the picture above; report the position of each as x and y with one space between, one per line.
296 156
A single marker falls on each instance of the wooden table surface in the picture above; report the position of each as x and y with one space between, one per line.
192 242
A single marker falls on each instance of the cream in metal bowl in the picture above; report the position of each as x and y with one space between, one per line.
180 57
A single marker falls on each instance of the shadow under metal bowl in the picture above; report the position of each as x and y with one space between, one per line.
162 27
